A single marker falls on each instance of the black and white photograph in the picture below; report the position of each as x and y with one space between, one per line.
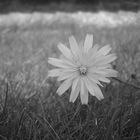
69 69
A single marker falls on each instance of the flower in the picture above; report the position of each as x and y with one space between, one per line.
82 68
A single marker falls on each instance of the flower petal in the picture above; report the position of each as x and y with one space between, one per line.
92 53
109 73
98 92
88 43
100 78
93 79
108 59
58 63
99 75
105 50
103 60
54 72
82 86
95 68
65 51
67 61
103 79
84 97
64 86
89 86
67 75
84 93
75 90
74 46
93 89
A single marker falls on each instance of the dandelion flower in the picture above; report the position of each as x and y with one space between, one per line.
82 68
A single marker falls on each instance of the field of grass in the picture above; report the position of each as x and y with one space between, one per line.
30 109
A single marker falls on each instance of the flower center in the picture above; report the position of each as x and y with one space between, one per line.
83 70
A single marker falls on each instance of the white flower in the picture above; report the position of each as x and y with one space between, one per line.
83 68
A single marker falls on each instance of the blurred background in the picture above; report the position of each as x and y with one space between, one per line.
30 31
68 5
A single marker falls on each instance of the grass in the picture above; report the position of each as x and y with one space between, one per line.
30 109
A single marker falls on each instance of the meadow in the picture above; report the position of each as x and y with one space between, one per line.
30 109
